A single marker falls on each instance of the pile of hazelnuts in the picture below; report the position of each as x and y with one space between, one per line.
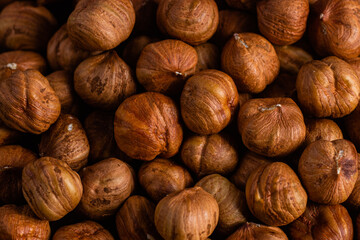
179 119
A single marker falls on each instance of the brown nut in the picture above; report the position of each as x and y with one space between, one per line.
147 125
208 101
104 81
208 56
19 222
161 177
62 54
13 158
233 210
242 4
27 102
253 231
209 154
331 222
274 194
355 64
283 86
247 164
271 126
87 230
66 140
354 198
133 48
251 61
193 22
135 219
51 188
352 127
325 129
106 186
8 135
145 15
282 22
164 66
333 28
243 98
26 26
328 170
189 214
328 88
101 25
292 58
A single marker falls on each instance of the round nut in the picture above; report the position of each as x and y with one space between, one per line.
87 230
253 231
208 56
325 129
133 48
292 58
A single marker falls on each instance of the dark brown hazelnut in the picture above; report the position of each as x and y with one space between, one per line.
328 88
354 198
243 98
209 154
271 126
328 170
208 101
147 125
145 15
251 61
292 58
161 177
325 129
27 102
87 230
242 4
133 48
274 194
355 64
8 135
352 127
164 66
208 56
107 184
253 231
283 86
193 22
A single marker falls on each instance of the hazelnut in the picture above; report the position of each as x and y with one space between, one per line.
243 98
101 25
328 170
147 125
62 54
283 86
23 25
253 231
87 230
104 80
135 219
27 102
66 140
283 22
19 222
247 164
325 129
106 186
208 56
12 160
352 127
333 28
51 188
233 210
164 66
274 194
193 22
355 64
208 101
292 58
209 154
251 61
8 135
161 177
271 126
133 48
322 222
242 4
189 214
328 88
145 15
354 198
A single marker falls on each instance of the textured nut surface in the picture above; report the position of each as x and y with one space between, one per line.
87 230
22 60
292 58
325 129
252 231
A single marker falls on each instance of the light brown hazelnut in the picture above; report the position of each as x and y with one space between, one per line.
325 129
283 86
133 48
274 194
135 219
107 184
66 140
147 125
292 58
87 230
209 154
329 222
19 222
328 88
193 22
164 66
51 188
251 61
27 102
101 25
208 101
191 213
25 26
333 28
233 210
242 4
271 126
328 170
208 56
352 127
104 81
253 231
